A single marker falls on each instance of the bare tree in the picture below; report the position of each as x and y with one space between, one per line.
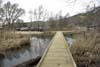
90 14
0 3
31 18
40 14
10 13
58 22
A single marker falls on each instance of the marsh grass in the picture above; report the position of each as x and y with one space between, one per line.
86 50
10 41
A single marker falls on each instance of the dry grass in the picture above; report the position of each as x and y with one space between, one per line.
12 41
86 51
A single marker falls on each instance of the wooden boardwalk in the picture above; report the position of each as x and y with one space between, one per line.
57 54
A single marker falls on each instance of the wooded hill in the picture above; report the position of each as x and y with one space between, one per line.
88 19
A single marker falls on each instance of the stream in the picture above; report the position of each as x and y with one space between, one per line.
13 58
70 40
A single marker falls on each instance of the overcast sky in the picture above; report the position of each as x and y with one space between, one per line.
54 6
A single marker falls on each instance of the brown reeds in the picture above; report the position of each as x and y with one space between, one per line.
86 51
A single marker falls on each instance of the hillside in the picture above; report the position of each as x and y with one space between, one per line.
88 19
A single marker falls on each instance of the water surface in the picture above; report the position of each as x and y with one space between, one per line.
13 58
70 40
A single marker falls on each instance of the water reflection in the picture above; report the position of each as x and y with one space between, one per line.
38 45
70 40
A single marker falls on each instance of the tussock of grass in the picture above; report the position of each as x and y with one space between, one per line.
13 43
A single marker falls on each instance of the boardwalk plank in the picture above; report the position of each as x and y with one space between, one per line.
58 54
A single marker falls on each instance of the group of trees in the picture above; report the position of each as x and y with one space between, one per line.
9 14
58 21
38 15
90 19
